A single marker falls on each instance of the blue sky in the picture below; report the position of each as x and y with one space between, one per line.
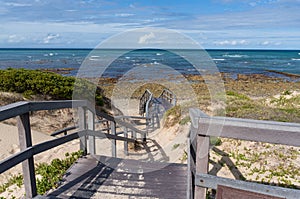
266 24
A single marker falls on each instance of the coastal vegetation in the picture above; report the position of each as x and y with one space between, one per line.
47 85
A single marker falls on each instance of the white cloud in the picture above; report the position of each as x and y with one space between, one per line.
145 38
270 43
14 4
265 43
231 42
15 39
50 37
124 15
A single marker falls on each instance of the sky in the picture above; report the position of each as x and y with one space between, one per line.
214 24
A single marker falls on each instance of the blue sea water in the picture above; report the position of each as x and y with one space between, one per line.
227 61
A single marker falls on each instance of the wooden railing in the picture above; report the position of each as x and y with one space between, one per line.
145 101
169 96
86 133
204 126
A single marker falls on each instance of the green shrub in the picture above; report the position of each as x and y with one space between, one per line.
216 141
172 116
52 173
185 120
55 86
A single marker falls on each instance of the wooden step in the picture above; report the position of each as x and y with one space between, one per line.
107 177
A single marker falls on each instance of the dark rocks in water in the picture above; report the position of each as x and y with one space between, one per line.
58 70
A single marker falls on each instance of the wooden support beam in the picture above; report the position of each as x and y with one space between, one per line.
91 126
125 142
202 157
113 142
23 122
82 126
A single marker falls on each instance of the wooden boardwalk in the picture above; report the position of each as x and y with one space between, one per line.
111 177
107 177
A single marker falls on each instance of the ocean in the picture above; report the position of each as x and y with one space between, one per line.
268 62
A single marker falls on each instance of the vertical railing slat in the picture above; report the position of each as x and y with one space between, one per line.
113 141
125 142
25 141
82 126
202 158
91 126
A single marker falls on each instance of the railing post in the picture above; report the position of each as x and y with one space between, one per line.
125 142
133 134
202 158
82 126
192 149
199 153
28 165
113 141
91 126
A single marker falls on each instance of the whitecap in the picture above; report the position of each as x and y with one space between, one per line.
298 53
51 54
92 59
158 54
127 57
95 56
295 59
235 56
219 59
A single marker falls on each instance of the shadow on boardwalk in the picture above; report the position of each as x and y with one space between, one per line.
100 176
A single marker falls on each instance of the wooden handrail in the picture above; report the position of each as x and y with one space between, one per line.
145 102
251 130
44 146
64 130
204 126
19 108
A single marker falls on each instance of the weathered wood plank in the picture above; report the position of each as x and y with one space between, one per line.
113 142
82 126
23 123
131 117
119 121
13 110
44 146
253 130
209 181
15 159
64 130
100 134
36 149
91 126
19 108
224 192
123 178
202 157
125 142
